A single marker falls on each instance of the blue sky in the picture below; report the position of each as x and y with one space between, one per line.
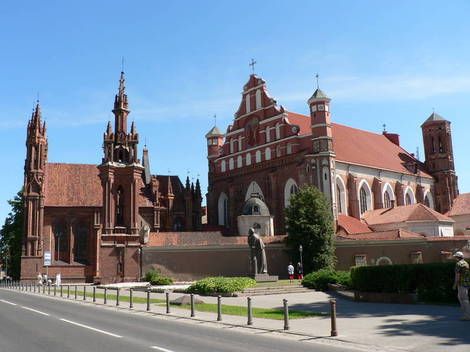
379 61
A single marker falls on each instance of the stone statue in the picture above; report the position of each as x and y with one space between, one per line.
144 234
258 254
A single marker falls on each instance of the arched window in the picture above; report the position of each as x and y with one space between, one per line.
120 207
341 196
223 209
258 156
289 148
248 159
239 161
388 196
240 141
384 261
428 200
409 197
80 250
278 131
61 244
223 166
247 103
258 99
254 190
268 135
231 145
289 190
230 164
441 146
267 153
365 197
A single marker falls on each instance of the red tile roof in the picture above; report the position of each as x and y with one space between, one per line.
72 185
413 212
202 238
389 235
352 225
361 147
461 205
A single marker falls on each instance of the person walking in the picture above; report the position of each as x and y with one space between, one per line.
462 284
300 271
290 271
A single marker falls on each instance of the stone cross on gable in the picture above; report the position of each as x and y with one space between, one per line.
252 64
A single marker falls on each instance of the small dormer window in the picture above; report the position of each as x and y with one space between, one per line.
256 210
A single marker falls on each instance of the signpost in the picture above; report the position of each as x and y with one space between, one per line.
47 262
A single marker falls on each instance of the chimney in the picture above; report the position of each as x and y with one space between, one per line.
392 137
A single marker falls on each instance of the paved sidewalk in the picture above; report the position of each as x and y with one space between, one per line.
367 326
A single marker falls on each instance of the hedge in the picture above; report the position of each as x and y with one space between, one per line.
156 278
320 279
221 285
432 282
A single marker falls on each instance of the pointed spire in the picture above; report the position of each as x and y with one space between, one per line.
188 186
169 186
198 189
133 129
109 129
122 86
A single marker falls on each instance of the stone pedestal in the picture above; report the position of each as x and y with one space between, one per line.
265 278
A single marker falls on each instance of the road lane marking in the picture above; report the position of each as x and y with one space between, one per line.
161 349
91 328
7 302
35 311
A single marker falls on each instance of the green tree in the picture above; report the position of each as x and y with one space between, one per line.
309 222
11 236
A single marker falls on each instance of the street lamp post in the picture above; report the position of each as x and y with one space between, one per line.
301 260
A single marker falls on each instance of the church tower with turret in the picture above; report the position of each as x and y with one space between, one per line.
437 140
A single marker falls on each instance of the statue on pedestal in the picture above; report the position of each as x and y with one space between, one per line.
257 253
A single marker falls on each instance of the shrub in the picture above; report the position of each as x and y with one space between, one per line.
155 277
432 282
221 285
320 279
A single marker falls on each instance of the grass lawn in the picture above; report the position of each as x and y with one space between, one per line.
266 313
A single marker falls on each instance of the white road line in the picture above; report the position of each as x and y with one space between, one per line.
91 328
161 349
35 311
13 304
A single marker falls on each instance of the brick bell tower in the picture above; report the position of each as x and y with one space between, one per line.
437 140
323 159
36 156
215 141
120 170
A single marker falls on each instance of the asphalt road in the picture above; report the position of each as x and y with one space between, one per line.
34 323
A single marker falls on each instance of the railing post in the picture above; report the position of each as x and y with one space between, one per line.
117 297
131 305
68 291
192 304
334 332
48 289
250 311
61 291
105 299
286 314
148 299
167 301
94 294
219 308
34 288
84 292
43 289
76 292
55 290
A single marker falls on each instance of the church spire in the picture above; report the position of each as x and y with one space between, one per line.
121 106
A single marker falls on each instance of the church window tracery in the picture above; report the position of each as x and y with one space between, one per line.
120 207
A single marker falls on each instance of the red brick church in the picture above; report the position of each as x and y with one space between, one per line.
95 219
268 152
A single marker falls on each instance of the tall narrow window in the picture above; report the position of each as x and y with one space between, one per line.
248 159
120 207
80 251
363 200
408 199
61 247
267 153
338 199
247 103
258 99
258 156
387 200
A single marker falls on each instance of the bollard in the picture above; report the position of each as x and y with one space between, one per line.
61 291
76 292
148 299
94 294
105 300
55 290
250 312
84 293
219 308
34 288
68 291
167 301
117 297
286 314
131 305
43 289
192 304
334 332
49 289
30 287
